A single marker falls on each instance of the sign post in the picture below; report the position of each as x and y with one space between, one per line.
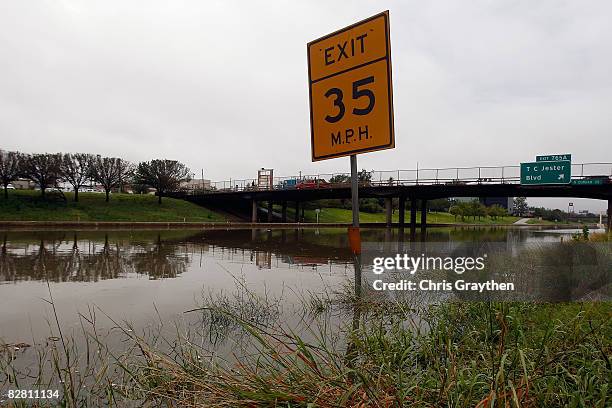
351 100
354 191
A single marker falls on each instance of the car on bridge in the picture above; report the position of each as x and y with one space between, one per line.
313 183
287 184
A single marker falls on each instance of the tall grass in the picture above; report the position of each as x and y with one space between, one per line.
470 354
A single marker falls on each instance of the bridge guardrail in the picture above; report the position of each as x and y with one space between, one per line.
427 176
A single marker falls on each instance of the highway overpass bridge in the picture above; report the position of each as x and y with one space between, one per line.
248 196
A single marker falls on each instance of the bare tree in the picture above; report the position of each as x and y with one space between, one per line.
76 170
163 175
10 168
110 172
42 169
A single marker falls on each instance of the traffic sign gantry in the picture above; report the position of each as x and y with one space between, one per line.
553 172
351 101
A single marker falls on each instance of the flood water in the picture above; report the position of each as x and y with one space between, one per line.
150 278
138 276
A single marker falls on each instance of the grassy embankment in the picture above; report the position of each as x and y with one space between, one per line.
30 206
535 221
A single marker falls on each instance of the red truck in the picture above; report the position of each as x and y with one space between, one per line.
314 183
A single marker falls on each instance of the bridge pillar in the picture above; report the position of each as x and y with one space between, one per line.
284 212
297 211
253 211
413 214
423 218
389 210
610 215
270 210
402 211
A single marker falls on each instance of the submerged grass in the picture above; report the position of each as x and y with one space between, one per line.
471 355
402 353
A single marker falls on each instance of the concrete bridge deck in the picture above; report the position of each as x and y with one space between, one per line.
414 186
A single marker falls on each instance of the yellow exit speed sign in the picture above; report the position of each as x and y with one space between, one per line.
351 98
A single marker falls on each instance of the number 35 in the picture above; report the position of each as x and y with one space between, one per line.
357 94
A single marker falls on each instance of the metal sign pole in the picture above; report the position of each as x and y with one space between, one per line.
354 234
354 191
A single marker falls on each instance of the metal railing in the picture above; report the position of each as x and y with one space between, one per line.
380 178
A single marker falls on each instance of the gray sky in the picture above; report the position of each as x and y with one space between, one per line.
222 85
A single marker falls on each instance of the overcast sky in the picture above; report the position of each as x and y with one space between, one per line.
222 85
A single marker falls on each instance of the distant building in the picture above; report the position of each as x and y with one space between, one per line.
23 184
196 184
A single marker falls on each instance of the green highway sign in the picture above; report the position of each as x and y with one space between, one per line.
588 182
555 172
554 157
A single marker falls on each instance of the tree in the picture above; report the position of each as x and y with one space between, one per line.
364 176
370 205
10 168
340 178
475 209
520 206
76 170
138 188
439 204
496 210
42 169
480 210
549 215
163 175
464 209
456 211
110 172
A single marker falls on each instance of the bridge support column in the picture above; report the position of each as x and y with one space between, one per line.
402 211
284 212
389 210
413 214
423 219
297 211
270 210
609 215
253 211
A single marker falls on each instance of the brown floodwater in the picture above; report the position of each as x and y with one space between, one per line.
138 276
149 279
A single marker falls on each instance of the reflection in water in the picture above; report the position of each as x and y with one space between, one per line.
94 256
59 259
89 256
351 347
160 260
